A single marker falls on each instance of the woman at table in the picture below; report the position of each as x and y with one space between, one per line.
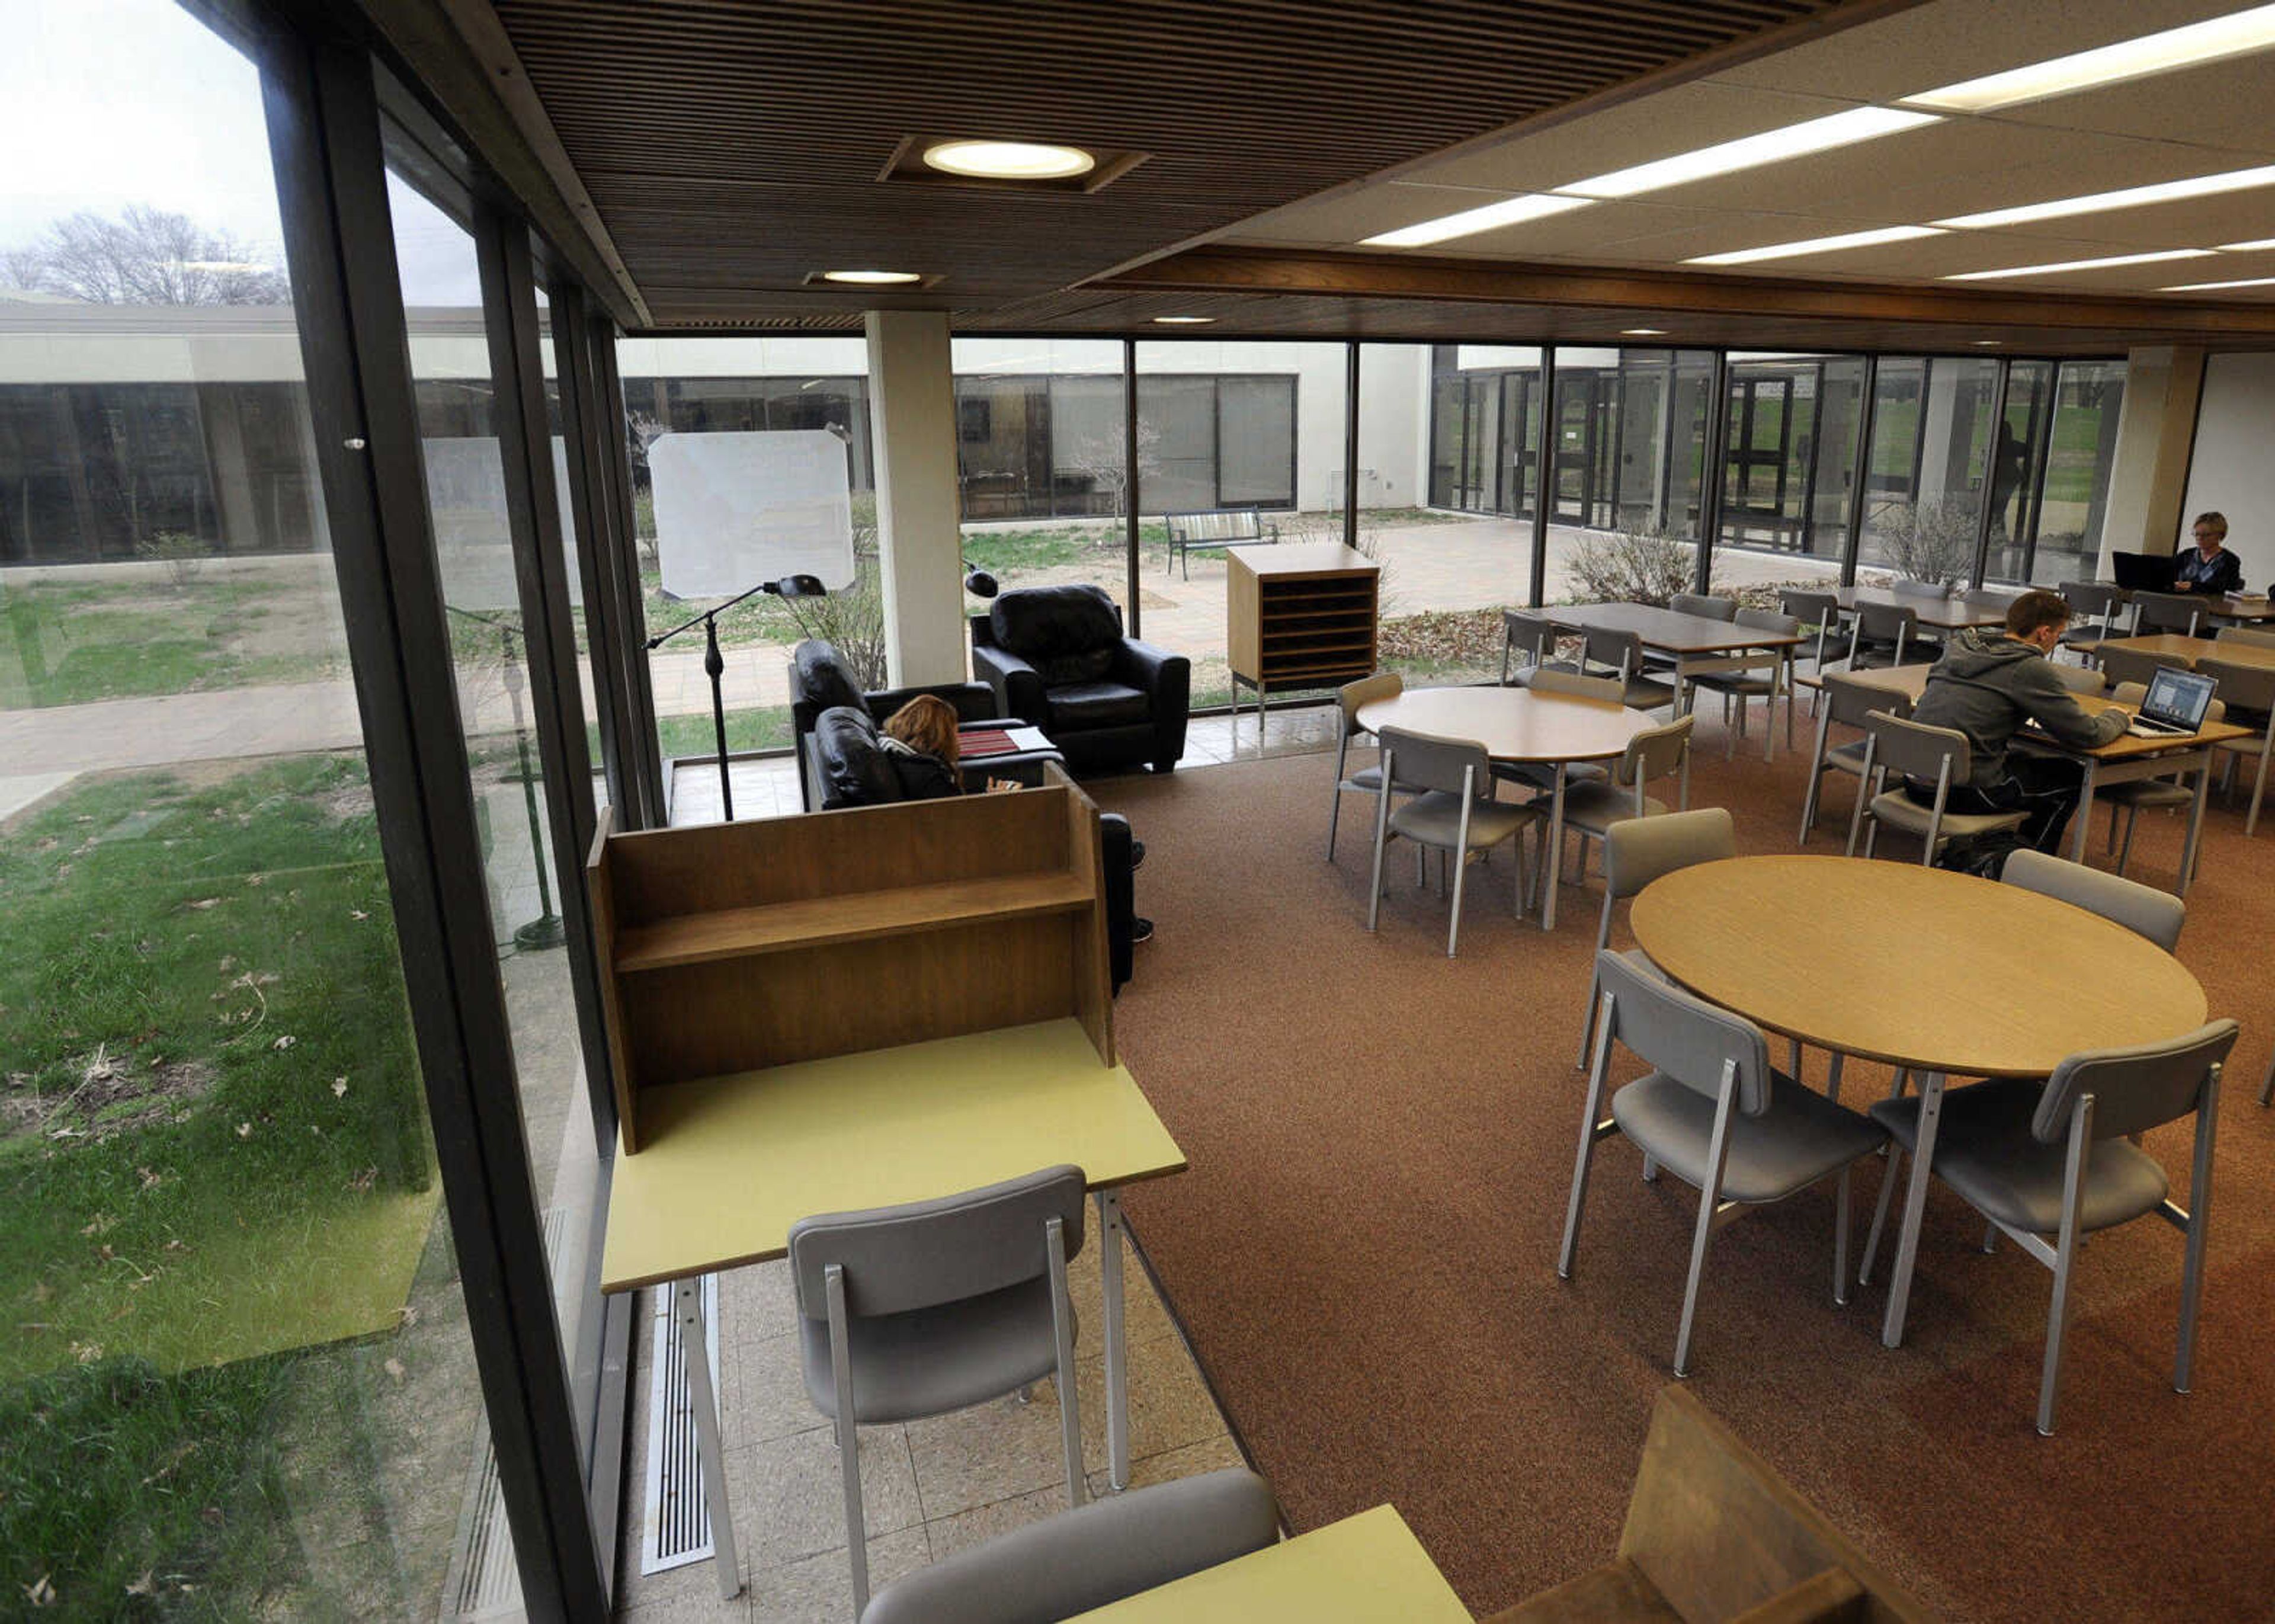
2211 567
1987 684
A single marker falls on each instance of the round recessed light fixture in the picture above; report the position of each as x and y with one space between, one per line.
1009 160
1183 321
1987 344
872 278
1642 332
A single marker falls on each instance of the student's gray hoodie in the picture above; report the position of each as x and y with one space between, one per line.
1987 684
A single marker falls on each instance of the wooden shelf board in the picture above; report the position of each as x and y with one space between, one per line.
695 939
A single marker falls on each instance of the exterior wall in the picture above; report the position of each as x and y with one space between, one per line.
2231 471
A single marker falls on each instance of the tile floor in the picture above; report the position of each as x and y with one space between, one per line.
930 1487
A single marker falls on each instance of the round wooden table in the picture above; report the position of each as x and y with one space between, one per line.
1930 970
1516 724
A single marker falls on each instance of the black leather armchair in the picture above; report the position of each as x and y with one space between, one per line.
1056 657
819 679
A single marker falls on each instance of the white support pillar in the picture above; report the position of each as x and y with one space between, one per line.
912 430
2155 436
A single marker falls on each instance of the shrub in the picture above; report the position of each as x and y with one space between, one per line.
179 551
1929 541
1632 566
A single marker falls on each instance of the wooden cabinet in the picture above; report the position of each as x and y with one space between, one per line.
733 947
1299 616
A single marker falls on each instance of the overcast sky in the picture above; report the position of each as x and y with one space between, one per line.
105 103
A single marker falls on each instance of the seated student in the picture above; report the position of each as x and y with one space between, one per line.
2211 567
1987 684
921 739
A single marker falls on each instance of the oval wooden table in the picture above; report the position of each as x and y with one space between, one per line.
1516 724
1933 971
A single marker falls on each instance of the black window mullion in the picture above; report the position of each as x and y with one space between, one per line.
587 510
1990 468
612 427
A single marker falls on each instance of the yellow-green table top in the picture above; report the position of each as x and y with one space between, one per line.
733 1161
1366 1569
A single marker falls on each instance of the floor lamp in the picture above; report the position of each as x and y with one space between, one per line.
714 665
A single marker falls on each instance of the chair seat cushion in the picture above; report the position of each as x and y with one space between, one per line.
1848 757
1642 694
1898 811
1542 775
2147 792
1368 781
1985 1150
1435 819
1801 1138
1096 704
933 1360
1523 678
1595 807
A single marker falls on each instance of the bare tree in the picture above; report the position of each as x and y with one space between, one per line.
146 256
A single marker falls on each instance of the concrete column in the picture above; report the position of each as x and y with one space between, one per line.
912 431
2155 436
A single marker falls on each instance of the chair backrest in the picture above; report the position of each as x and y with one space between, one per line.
1770 620
1920 589
897 1259
1422 761
2128 665
2244 687
1851 701
2080 678
2132 694
1638 850
2088 597
1701 603
1620 650
1528 635
1881 621
1079 1560
2258 637
1687 1038
1655 752
1355 696
1577 686
1812 608
2133 1090
2142 909
2167 611
1915 749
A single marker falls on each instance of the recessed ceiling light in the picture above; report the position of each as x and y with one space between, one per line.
1508 211
1183 321
1987 344
1863 124
872 278
1818 244
1009 160
2111 263
2132 197
2209 40
2212 287
1642 332
2252 246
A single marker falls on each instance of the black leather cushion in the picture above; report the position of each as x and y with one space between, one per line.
921 777
1097 704
823 680
1069 629
853 767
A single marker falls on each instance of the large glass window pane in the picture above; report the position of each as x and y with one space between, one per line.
1892 467
236 1381
1933 419
2017 460
464 460
2081 450
1790 460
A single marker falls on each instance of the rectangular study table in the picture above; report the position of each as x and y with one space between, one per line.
2123 760
730 1163
2234 609
1670 630
1365 1570
2183 650
1973 609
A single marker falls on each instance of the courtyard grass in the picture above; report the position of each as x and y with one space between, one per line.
70 642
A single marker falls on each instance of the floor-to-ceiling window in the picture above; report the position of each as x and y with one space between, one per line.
2081 449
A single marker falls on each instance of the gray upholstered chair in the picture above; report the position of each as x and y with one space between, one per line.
916 1310
1847 704
1820 613
1764 674
2136 796
2051 1158
1700 603
1619 654
2250 689
1912 749
1591 809
1636 851
2142 909
1557 679
2080 678
1712 1112
1449 813
1528 644
2128 665
1079 1561
1352 699
2167 611
2092 608
1886 634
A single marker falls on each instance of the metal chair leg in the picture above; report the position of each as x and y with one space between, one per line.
2066 1249
848 1448
1889 1174
1590 1112
1840 1240
1062 1333
1710 1197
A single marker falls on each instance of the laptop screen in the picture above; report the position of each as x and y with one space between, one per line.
2180 698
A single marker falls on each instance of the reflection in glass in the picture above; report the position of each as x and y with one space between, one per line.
2081 449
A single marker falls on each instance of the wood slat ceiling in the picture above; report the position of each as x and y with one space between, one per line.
732 149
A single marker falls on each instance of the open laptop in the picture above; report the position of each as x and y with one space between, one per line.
2142 571
2175 704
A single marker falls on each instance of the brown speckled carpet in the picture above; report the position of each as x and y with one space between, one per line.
1381 1144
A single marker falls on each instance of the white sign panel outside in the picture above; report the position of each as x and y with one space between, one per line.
734 510
466 495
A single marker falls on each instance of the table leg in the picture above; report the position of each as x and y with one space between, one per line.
1900 1283
1555 851
2082 819
2196 826
687 1305
1117 1368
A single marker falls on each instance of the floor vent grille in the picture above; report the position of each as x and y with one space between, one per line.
675 1525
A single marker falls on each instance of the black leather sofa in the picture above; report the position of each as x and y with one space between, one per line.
1056 657
850 768
819 679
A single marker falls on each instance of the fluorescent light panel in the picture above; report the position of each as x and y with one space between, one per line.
2132 197
1863 124
2254 246
1508 211
1818 244
2110 263
2213 40
2213 287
